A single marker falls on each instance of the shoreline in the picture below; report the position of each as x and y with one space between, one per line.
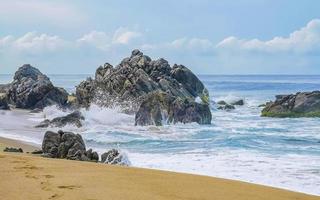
66 179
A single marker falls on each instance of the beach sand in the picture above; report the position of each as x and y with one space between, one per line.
25 176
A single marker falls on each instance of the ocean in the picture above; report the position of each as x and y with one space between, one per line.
239 144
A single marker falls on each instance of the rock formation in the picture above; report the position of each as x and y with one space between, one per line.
31 89
66 145
301 104
75 118
130 84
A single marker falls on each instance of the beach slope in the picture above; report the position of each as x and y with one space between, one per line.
30 177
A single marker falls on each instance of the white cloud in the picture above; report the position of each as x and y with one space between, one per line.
96 39
307 39
32 42
125 36
193 43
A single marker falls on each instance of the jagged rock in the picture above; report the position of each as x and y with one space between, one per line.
226 107
66 145
114 157
162 107
3 103
31 89
301 104
238 103
12 149
129 84
74 118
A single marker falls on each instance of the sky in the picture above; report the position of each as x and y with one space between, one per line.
208 36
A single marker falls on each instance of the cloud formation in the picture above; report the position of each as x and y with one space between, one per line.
305 40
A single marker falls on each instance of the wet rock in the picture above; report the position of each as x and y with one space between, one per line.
238 103
66 145
301 104
161 107
75 118
31 89
12 149
114 157
128 84
222 102
226 107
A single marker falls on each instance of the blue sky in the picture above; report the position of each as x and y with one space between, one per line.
208 36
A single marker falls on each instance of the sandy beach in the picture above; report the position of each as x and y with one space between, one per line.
25 176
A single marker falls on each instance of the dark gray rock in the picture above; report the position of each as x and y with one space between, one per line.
114 157
129 84
37 152
4 88
12 149
238 103
226 107
31 89
75 118
301 104
222 102
162 107
66 145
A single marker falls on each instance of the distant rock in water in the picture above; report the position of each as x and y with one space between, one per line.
74 118
31 89
129 84
301 104
66 145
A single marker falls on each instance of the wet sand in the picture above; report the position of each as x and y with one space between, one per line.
25 176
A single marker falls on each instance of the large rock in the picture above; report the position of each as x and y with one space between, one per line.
31 89
161 107
66 145
75 118
301 104
129 84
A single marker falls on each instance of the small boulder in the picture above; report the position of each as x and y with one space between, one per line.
114 157
238 103
3 103
226 107
222 102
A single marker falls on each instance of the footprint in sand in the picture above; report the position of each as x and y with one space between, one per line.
48 176
69 187
55 196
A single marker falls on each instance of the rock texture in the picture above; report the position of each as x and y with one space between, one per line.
75 118
161 107
31 89
301 104
12 149
66 145
130 84
114 157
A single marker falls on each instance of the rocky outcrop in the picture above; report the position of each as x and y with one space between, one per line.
66 145
239 102
31 89
161 107
226 107
301 104
129 85
75 118
114 157
4 88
